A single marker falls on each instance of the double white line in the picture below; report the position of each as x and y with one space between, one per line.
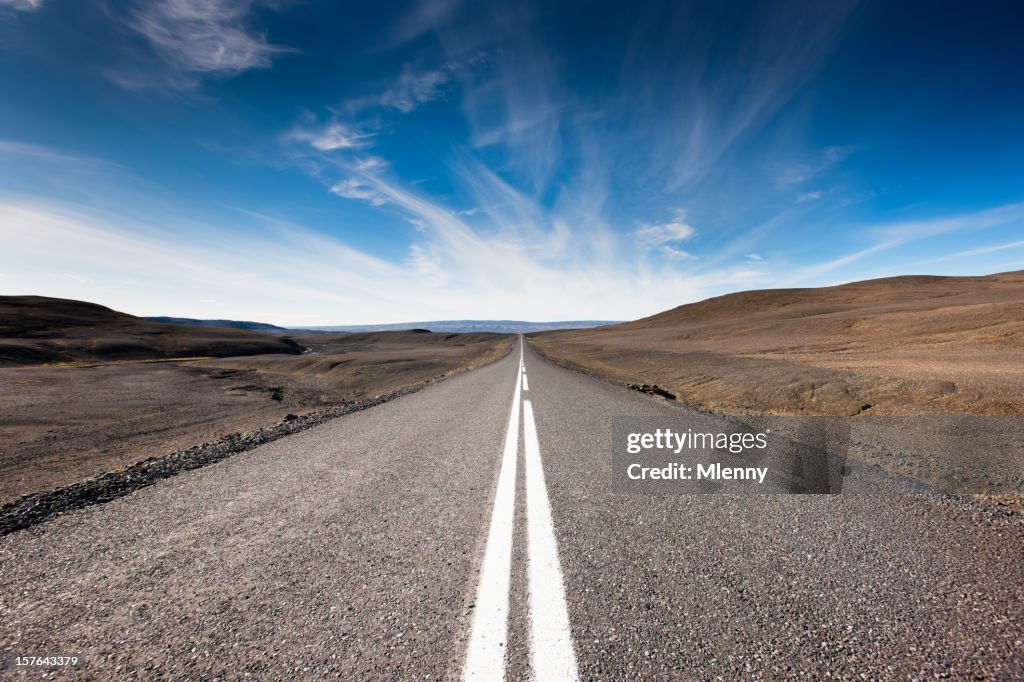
551 649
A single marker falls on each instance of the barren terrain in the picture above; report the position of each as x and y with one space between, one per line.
896 346
62 422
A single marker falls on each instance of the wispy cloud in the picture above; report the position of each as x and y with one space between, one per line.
307 278
714 102
353 188
512 94
810 196
22 150
676 253
22 5
196 38
971 253
329 137
519 109
426 262
413 88
893 235
43 170
912 230
425 16
370 164
806 167
299 269
676 230
817 270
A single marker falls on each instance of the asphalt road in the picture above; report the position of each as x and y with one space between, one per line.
425 539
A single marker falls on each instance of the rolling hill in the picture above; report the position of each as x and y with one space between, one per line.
899 345
41 330
235 324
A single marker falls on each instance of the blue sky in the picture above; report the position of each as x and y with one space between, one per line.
339 163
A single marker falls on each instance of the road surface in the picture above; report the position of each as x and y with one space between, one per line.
470 530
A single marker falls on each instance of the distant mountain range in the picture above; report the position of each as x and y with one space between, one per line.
236 324
462 326
501 326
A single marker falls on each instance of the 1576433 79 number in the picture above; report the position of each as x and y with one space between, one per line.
13 660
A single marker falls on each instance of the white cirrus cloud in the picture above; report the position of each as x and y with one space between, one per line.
676 230
67 160
894 235
677 253
805 168
22 5
329 137
353 188
412 89
370 164
200 37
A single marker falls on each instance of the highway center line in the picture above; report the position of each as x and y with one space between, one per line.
485 657
526 385
551 648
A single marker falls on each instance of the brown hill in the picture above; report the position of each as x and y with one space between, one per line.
900 345
38 330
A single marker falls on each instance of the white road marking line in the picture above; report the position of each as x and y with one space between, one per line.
551 648
485 657
526 385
